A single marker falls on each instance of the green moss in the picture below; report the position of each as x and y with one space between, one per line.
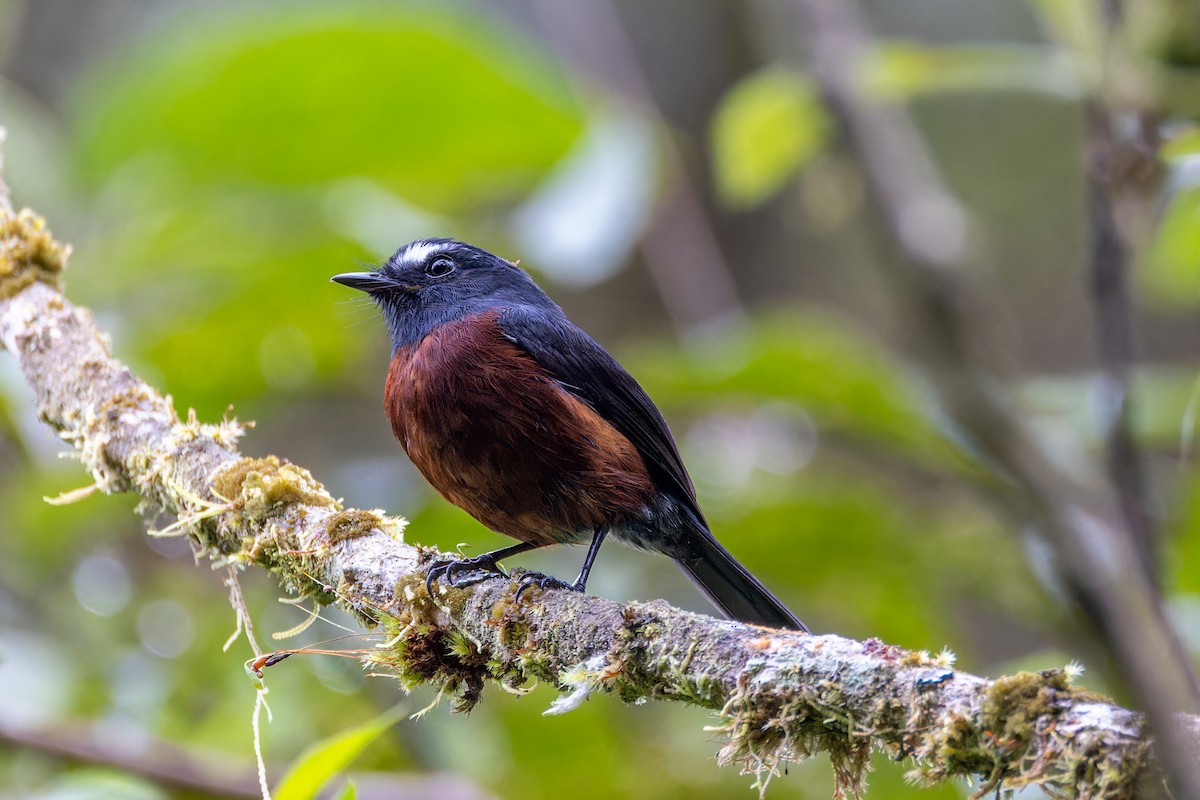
514 631
260 486
28 253
422 654
951 749
1012 740
291 485
260 489
229 481
346 525
1013 704
450 597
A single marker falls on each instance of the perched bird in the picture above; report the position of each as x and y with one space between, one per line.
521 419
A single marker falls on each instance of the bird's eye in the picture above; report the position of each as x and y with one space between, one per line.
439 266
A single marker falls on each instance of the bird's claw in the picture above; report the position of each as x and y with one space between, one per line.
542 582
478 568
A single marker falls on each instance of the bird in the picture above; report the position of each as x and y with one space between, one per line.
523 420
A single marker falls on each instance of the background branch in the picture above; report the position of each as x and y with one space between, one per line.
210 773
1076 513
1121 157
160 761
683 255
1110 160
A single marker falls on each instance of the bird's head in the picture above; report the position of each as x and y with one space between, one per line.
433 281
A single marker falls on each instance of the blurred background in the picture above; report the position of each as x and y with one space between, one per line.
669 173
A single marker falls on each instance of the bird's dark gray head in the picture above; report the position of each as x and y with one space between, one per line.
433 281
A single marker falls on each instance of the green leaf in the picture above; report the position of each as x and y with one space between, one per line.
320 763
1183 529
1182 145
766 127
901 70
1171 266
447 110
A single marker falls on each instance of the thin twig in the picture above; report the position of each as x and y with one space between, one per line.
1121 147
1109 256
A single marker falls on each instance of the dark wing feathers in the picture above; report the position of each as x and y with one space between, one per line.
586 370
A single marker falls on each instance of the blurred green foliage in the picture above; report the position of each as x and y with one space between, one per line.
325 760
1074 25
252 126
767 126
903 70
438 106
817 361
1171 274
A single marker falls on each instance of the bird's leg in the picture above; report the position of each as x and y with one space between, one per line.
593 549
485 564
549 582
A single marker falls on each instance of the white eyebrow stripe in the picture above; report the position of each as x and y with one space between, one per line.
417 252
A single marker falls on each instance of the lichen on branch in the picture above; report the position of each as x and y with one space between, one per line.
28 253
779 695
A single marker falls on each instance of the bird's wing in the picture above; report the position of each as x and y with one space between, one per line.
586 370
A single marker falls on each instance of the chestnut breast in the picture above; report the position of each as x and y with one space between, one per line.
501 439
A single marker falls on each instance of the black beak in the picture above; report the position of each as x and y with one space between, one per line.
364 281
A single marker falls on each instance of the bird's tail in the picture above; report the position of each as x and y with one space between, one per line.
730 586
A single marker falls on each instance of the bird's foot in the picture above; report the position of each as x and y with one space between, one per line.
463 571
542 582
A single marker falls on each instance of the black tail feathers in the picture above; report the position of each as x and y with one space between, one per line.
730 586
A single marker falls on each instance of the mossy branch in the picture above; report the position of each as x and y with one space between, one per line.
779 695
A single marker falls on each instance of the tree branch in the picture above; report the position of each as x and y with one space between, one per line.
1121 154
208 772
1110 162
780 695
